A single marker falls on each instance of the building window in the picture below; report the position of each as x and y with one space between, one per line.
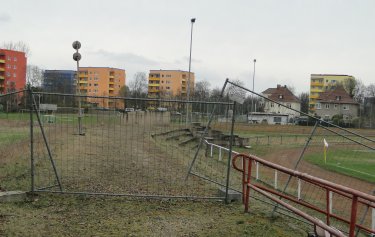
345 107
9 58
318 106
338 97
14 75
15 59
9 66
281 96
14 66
8 74
327 106
335 106
272 105
288 105
277 119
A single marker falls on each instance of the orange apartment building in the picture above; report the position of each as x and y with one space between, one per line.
101 81
12 71
169 83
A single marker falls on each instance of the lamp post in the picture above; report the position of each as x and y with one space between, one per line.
252 101
192 20
76 57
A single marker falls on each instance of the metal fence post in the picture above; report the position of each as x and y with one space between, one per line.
29 91
230 154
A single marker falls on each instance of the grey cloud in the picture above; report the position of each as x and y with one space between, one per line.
4 17
129 58
185 60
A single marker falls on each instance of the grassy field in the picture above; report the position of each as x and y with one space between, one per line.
99 165
355 163
94 216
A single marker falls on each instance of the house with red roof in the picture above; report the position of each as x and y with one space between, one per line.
336 102
284 96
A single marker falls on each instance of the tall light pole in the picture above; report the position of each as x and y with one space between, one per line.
252 101
192 20
76 57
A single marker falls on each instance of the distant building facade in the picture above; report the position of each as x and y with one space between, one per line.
268 118
12 70
59 81
323 82
284 96
101 81
169 83
336 102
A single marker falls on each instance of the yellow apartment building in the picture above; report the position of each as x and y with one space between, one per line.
169 83
323 82
101 81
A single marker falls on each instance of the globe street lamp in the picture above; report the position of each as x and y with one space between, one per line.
76 57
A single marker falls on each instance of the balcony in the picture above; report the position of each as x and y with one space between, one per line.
83 82
111 76
153 85
2 61
111 89
111 83
2 69
316 83
316 90
2 78
314 96
153 90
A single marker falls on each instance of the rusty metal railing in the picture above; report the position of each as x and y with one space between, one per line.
356 196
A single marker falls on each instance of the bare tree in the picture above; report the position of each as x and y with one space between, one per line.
291 88
349 85
359 91
34 75
304 98
138 86
215 93
17 46
124 91
202 90
370 90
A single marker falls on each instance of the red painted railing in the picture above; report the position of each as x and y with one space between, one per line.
356 197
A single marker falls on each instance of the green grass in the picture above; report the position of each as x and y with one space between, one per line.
66 215
7 138
355 163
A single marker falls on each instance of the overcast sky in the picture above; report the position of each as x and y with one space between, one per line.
290 39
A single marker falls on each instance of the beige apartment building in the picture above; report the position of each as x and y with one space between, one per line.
323 82
101 81
169 83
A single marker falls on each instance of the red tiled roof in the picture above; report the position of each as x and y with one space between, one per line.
337 96
281 94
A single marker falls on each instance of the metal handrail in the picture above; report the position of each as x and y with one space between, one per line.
355 195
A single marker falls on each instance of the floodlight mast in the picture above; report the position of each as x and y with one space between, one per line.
188 83
76 57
